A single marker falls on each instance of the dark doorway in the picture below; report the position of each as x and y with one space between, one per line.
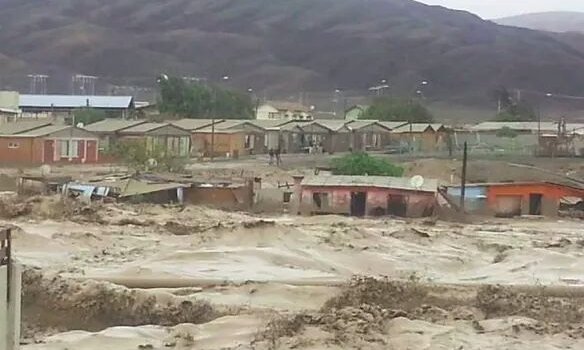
396 205
358 203
535 200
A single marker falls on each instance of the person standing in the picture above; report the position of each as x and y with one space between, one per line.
271 154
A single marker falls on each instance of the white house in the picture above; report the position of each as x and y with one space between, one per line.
273 110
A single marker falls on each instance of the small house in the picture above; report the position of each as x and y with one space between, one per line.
283 110
230 138
418 137
330 135
367 135
284 135
367 196
166 137
509 199
48 145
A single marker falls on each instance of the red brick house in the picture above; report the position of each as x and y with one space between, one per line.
48 145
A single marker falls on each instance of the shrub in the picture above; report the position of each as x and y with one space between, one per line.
364 164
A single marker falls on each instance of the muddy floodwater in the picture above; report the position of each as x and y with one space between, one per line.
154 277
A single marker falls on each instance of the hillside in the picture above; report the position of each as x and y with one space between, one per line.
282 45
559 22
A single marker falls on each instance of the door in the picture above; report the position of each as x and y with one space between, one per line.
535 203
358 203
49 155
396 205
91 152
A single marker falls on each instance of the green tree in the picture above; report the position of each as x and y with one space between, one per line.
89 115
193 100
507 132
398 109
521 112
364 164
138 156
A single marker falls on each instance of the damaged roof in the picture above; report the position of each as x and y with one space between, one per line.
400 183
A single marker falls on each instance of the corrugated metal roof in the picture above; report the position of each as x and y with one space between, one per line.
401 183
145 127
194 124
269 123
75 101
333 125
393 125
359 124
519 126
415 127
112 125
22 126
46 130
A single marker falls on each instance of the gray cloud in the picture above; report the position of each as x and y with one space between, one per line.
501 8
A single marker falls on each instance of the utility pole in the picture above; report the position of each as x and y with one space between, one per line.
213 123
463 183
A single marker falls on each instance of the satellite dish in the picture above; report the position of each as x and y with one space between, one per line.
417 181
45 170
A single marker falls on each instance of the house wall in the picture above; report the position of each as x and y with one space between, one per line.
418 204
224 143
337 142
239 198
29 150
500 197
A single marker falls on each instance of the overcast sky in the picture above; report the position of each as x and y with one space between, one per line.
501 8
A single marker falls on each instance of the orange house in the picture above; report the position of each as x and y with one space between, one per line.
48 145
515 199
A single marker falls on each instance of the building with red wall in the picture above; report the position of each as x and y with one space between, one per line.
366 196
48 145
517 198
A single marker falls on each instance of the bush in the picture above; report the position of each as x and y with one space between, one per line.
507 132
364 164
138 156
398 109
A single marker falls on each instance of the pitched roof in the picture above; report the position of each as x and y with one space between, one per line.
144 127
22 126
401 183
393 125
194 124
45 130
112 125
519 126
269 123
359 124
75 101
333 125
414 127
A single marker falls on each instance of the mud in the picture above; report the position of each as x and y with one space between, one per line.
57 303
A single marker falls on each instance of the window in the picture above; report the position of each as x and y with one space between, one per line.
13 145
69 148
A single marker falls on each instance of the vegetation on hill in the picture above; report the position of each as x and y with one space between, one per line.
398 109
193 100
364 164
512 110
281 46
